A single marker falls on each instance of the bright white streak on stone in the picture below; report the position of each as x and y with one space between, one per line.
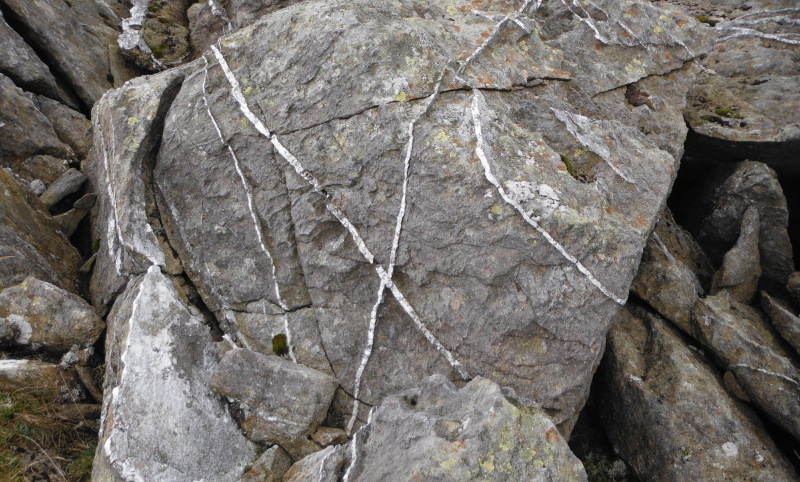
112 199
236 92
354 447
477 97
251 207
495 33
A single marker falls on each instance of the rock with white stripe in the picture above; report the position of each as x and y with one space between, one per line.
281 401
747 346
655 392
127 128
435 431
488 228
160 420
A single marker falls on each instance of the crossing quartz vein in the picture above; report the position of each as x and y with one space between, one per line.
251 208
236 92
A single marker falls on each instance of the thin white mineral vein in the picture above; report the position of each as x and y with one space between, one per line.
236 92
766 372
354 447
251 207
480 150
112 199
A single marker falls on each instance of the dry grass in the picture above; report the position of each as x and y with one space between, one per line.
36 444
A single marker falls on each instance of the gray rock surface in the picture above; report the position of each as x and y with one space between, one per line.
668 415
127 126
76 48
19 62
281 401
667 283
71 127
25 130
745 104
45 315
751 183
438 432
30 241
742 341
517 283
69 183
741 267
269 467
160 420
784 321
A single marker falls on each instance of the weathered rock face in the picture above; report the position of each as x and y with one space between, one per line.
155 34
740 338
282 401
745 105
413 192
756 184
784 321
437 432
30 241
44 315
78 49
668 414
157 400
40 376
741 267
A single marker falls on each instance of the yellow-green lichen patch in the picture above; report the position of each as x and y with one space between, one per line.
721 111
249 90
132 121
708 21
401 97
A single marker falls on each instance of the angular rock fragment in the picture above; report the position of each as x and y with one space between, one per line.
42 167
45 315
667 413
69 182
30 240
269 467
282 401
38 376
24 129
784 321
413 190
71 127
751 183
68 222
741 267
127 126
160 420
742 341
154 36
72 48
438 432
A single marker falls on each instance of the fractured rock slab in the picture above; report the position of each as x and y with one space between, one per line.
160 420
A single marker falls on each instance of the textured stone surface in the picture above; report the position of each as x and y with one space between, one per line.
269 467
25 130
75 48
664 281
784 321
68 183
668 415
127 127
30 240
745 105
71 127
45 315
437 432
741 267
37 376
160 419
506 283
751 183
281 400
155 34
741 339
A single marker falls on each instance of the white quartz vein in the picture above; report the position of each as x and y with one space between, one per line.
480 150
251 208
354 447
112 199
236 92
766 372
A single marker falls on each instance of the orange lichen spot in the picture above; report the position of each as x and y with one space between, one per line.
456 28
609 210
544 154
485 34
667 56
597 46
479 41
562 168
641 220
552 435
632 11
682 22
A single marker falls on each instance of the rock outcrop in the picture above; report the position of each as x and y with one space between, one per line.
437 432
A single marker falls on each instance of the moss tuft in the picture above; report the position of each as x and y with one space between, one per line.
570 168
708 21
280 344
728 113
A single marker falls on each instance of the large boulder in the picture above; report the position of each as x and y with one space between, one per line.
438 432
668 414
449 190
31 243
160 420
45 315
